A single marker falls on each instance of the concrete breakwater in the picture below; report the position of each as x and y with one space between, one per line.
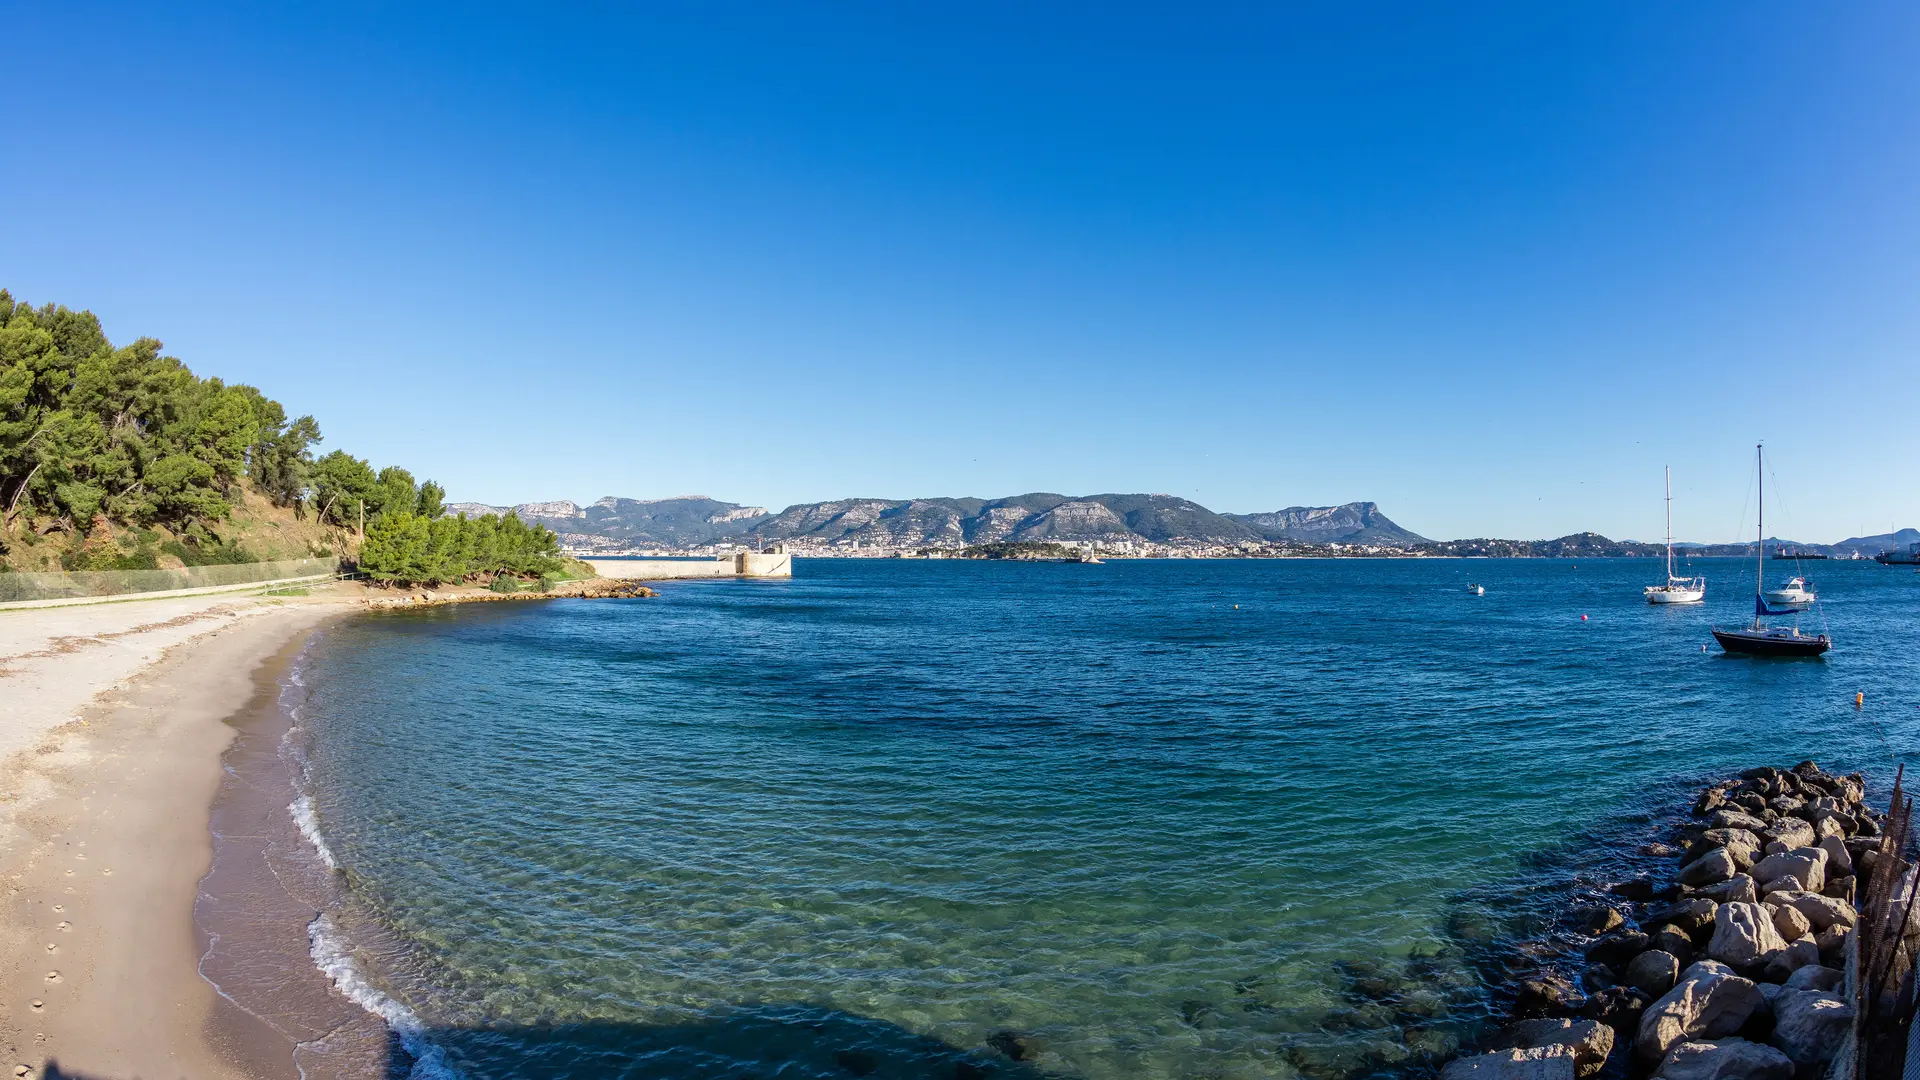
1741 961
772 563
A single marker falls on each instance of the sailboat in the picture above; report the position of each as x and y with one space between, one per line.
1677 590
1758 638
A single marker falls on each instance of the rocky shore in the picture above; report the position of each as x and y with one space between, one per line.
594 588
1731 965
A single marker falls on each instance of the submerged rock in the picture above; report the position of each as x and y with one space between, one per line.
1617 948
1547 995
1618 1007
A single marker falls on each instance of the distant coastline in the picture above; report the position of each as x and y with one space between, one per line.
1111 525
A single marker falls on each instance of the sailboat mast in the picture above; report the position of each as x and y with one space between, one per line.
1760 544
1669 524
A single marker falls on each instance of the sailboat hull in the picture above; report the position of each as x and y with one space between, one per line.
1771 642
1658 595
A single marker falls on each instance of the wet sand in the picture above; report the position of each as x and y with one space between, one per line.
113 726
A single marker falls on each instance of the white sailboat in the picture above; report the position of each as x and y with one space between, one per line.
1677 590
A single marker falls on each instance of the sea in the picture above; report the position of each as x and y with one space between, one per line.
937 818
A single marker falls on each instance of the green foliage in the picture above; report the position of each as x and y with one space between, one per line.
341 482
432 500
503 583
87 429
407 548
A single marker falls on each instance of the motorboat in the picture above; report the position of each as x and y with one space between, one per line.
1797 590
1477 590
1677 590
1757 638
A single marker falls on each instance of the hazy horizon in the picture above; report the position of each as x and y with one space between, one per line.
1490 266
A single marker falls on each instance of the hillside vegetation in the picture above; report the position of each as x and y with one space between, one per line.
121 458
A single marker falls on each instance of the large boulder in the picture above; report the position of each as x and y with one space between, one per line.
1670 940
1735 890
1728 1059
1839 888
1815 977
1791 831
1792 925
1712 868
1839 859
1734 819
1821 911
1589 1040
1654 972
1796 955
1709 1002
1743 935
1806 867
1810 1026
1540 1063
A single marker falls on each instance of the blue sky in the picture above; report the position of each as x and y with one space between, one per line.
1490 265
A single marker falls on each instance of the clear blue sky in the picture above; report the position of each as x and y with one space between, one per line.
1490 265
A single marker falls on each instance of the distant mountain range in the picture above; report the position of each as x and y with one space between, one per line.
694 520
690 521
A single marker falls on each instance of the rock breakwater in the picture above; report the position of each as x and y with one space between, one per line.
1728 962
591 588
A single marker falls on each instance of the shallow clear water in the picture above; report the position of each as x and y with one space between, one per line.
1160 819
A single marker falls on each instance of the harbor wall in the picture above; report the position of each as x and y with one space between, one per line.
741 564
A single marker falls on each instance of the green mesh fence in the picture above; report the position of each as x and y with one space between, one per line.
84 583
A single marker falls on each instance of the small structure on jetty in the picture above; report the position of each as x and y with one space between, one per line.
1781 947
774 562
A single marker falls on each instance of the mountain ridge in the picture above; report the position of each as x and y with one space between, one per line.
695 520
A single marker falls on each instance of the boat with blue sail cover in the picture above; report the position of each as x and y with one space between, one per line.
1758 638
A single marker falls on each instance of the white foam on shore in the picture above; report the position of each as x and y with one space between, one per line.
334 957
308 822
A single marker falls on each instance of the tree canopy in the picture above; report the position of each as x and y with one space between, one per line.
90 431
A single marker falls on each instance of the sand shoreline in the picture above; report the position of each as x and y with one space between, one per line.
113 730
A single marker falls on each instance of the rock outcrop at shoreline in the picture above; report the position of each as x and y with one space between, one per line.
1732 967
595 588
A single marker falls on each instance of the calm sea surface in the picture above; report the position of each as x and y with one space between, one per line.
1148 819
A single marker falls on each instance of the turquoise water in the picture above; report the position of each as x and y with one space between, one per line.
1148 819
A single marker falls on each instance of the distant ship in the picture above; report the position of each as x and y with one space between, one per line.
1909 557
1799 556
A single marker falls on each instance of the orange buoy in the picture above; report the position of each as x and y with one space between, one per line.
1859 700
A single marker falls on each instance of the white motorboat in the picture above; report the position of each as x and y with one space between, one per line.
1677 590
1477 590
1796 591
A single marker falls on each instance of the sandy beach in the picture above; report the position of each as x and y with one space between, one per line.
113 720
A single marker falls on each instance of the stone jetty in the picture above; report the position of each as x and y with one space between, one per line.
1730 965
595 588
